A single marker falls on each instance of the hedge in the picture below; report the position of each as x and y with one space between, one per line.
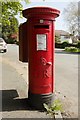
66 44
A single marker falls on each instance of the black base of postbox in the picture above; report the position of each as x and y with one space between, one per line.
37 100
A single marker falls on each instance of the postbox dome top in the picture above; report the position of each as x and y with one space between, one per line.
41 11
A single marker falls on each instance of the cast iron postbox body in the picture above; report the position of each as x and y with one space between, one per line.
23 43
40 25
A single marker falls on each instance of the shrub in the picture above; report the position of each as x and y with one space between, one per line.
65 44
11 41
78 44
17 42
58 45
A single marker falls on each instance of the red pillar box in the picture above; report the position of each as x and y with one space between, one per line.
23 43
40 25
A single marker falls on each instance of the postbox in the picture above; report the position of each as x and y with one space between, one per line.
23 43
41 37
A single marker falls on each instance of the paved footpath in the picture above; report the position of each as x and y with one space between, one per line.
14 93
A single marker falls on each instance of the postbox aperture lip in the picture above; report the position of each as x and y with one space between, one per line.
39 11
41 26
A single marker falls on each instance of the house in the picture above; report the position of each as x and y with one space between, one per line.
64 36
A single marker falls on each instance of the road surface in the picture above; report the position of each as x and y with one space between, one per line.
66 82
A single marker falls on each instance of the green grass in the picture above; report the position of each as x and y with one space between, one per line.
72 49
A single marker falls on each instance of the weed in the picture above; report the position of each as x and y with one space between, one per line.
54 108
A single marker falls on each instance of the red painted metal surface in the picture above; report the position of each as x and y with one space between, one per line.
23 43
41 12
40 25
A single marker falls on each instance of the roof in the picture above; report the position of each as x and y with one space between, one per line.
61 32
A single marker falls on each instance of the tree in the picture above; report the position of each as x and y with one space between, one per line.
9 9
8 30
71 17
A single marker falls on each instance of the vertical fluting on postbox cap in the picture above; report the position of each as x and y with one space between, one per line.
40 26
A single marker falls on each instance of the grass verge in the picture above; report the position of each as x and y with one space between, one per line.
72 49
